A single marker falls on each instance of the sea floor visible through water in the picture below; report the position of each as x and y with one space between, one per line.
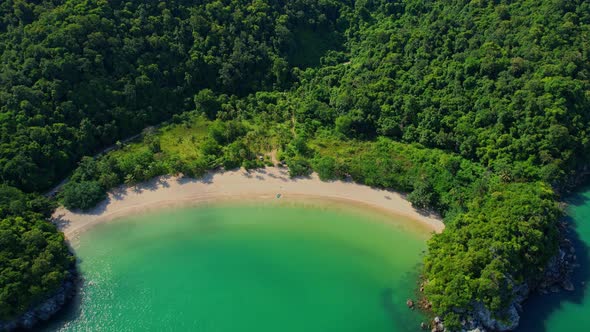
249 267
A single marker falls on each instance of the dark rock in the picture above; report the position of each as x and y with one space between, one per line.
46 309
410 303
554 277
568 286
29 320
437 325
486 319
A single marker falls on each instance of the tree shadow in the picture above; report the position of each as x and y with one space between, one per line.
538 307
284 171
300 177
98 210
59 221
282 178
138 189
206 179
152 185
578 199
165 184
118 194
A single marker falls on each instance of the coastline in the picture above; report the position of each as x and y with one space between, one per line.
240 186
45 310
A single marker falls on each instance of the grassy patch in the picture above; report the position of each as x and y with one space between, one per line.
184 140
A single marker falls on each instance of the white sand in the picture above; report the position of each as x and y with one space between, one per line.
258 185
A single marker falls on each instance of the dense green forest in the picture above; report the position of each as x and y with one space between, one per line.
33 258
477 109
83 74
78 75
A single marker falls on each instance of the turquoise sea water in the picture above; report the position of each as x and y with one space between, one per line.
258 268
567 311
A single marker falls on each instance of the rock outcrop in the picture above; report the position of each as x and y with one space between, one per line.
46 309
555 278
559 269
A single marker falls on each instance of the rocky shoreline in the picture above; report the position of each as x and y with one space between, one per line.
559 270
555 279
580 178
47 309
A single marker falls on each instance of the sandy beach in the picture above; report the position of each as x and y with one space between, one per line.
257 185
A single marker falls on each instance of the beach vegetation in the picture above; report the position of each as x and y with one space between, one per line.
33 259
82 195
475 110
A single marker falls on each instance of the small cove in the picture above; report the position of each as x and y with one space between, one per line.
296 266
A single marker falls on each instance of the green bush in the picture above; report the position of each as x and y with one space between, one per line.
195 168
82 195
34 258
299 166
503 239
326 168
424 195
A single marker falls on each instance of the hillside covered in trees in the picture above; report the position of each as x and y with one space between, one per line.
78 75
477 109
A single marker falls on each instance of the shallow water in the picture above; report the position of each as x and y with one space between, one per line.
258 268
566 311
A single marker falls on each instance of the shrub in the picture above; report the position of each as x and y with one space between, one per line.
299 166
82 195
326 168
